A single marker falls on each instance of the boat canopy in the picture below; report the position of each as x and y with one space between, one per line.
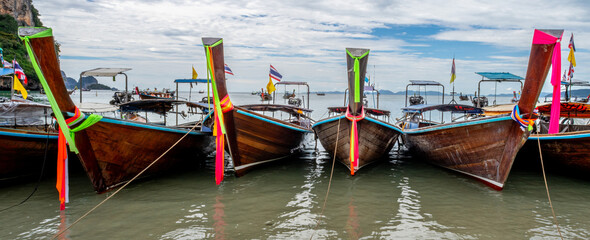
190 81
159 106
104 72
424 82
454 108
90 107
277 107
372 111
6 71
576 83
290 83
567 109
499 76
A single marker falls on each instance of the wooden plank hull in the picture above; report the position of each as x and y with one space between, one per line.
261 139
376 138
115 151
481 148
567 151
22 153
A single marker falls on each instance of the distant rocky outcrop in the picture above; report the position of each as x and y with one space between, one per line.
22 10
88 81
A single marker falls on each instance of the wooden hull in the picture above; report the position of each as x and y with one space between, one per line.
113 151
23 152
376 138
567 151
260 139
482 148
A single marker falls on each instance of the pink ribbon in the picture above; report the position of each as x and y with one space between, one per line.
540 37
354 140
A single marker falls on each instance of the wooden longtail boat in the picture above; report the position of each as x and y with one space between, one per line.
569 149
112 151
25 140
356 136
485 148
252 138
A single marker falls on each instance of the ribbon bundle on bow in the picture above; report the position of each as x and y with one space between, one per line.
524 123
540 37
219 107
354 140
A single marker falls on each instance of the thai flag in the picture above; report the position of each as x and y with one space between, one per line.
20 73
274 74
228 70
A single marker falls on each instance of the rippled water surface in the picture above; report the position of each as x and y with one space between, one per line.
399 197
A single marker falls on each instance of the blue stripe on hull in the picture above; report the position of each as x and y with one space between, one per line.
272 122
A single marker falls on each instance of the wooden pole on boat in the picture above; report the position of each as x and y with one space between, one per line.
356 66
217 58
538 67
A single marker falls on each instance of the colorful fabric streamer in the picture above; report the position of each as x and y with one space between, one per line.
524 123
540 37
219 107
354 140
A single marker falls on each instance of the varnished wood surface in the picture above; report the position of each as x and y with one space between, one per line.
23 156
113 152
478 149
567 151
252 140
375 140
261 141
484 148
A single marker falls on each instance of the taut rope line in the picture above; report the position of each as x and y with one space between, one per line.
127 183
546 186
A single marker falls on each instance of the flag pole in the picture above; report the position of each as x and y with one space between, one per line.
13 75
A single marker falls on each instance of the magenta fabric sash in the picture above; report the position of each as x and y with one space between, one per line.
540 37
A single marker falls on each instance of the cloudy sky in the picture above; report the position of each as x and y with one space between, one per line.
305 39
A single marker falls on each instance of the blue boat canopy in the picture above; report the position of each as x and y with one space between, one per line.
454 108
499 76
190 81
6 71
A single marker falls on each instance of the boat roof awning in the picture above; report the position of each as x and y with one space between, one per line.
91 107
455 108
6 71
576 83
104 72
424 82
290 83
190 81
372 111
499 76
274 107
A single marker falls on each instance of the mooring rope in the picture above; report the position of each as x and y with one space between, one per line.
329 182
127 183
546 186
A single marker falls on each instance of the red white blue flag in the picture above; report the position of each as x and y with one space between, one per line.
20 73
228 70
274 74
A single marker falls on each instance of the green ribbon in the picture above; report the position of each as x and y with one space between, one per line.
357 76
216 100
68 134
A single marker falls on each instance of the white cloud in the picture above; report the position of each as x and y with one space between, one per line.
304 39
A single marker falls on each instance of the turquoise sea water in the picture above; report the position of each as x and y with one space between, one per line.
400 197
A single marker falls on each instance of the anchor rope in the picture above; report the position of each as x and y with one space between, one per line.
330 181
122 187
546 186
